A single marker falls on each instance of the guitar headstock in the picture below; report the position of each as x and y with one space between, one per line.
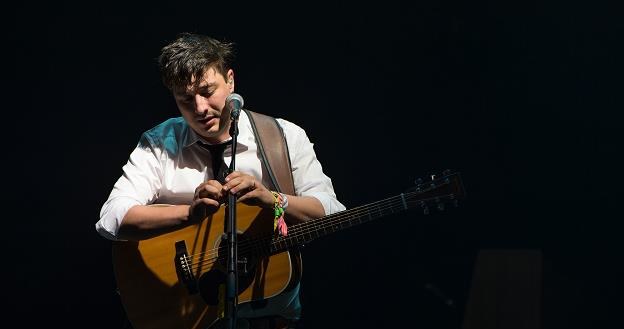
436 190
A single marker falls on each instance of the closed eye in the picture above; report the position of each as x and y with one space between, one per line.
186 99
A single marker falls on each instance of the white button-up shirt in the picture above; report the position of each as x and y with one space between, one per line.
167 166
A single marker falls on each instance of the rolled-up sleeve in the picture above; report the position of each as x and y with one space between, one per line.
308 175
138 185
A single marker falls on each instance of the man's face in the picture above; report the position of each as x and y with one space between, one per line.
203 108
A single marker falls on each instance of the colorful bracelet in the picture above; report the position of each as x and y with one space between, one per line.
280 202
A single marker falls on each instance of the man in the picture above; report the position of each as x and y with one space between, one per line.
172 163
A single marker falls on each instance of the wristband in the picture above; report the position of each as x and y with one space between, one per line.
280 202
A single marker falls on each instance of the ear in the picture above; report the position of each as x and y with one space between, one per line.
230 80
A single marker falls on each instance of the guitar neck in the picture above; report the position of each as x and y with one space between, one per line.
435 193
306 232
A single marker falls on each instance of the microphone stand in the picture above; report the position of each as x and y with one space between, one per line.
231 296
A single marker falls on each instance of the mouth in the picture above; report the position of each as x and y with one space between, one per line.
207 120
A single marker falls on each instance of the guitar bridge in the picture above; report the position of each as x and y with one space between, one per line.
183 268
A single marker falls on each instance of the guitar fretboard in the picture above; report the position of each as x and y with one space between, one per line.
448 188
306 232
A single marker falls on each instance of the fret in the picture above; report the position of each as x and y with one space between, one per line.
297 239
403 201
309 231
378 212
315 228
324 229
272 248
359 220
349 221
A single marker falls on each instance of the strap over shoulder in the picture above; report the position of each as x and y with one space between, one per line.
273 150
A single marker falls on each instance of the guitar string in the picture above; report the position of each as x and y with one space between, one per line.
354 212
301 231
315 227
332 218
245 247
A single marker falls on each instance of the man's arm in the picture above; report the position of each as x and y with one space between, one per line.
315 192
302 208
143 222
251 192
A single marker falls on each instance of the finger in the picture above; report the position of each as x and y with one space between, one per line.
199 188
249 196
232 175
247 186
201 208
215 183
220 194
233 184
211 203
213 189
210 191
203 185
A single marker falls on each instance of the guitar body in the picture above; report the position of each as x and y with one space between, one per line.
156 295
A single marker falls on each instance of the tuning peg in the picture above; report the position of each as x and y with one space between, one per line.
419 183
441 206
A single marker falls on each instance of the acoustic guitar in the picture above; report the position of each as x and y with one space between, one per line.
174 280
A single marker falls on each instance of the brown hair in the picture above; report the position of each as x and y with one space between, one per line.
190 55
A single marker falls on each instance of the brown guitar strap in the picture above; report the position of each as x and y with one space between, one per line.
273 151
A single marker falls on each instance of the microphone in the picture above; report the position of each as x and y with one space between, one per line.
235 103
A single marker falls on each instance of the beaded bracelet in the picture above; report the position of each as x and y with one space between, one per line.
280 202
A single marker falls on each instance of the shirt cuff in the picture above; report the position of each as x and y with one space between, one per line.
111 216
330 204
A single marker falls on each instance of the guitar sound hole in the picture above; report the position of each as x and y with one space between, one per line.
210 281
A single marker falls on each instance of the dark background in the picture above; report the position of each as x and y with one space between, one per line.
522 98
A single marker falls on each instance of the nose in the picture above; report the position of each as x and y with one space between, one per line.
201 104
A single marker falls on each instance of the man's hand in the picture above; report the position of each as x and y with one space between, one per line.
248 190
207 199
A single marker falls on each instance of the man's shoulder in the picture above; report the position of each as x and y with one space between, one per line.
286 125
173 127
290 128
169 134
